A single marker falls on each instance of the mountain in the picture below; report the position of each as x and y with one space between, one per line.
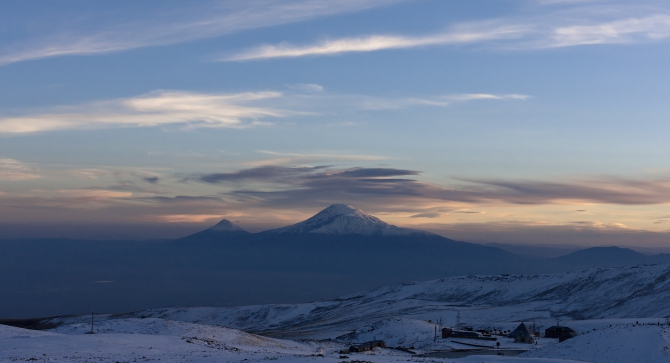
537 251
576 257
227 226
341 219
608 257
224 230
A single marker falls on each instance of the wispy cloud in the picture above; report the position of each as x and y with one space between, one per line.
268 173
306 87
603 190
372 43
184 218
92 195
217 110
155 109
324 102
167 25
15 170
628 30
48 201
280 158
323 184
378 103
565 23
563 2
563 29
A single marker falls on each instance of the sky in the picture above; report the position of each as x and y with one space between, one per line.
526 122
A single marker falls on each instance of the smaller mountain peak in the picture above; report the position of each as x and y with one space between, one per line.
226 225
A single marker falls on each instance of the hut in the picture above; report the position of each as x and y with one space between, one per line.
446 332
560 332
522 334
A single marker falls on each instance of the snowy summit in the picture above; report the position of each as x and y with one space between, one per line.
226 225
342 219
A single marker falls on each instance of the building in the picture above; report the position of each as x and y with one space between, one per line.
560 332
522 334
364 347
378 344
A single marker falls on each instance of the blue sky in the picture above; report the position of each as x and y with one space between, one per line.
517 121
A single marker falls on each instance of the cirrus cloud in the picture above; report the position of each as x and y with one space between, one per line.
89 30
552 31
283 185
371 43
15 170
216 110
154 109
629 30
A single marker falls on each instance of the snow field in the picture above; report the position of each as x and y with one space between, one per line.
622 343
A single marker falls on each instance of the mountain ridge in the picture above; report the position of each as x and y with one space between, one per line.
336 219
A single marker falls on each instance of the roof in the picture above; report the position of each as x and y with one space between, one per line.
522 329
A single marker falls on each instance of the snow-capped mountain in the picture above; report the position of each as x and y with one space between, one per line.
226 225
342 219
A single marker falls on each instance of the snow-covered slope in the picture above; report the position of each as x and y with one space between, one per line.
133 340
143 340
395 332
196 333
636 291
625 343
341 219
20 345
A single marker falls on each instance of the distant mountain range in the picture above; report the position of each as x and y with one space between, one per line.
338 219
338 251
341 220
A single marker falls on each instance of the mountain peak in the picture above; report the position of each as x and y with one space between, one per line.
342 219
226 225
342 210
